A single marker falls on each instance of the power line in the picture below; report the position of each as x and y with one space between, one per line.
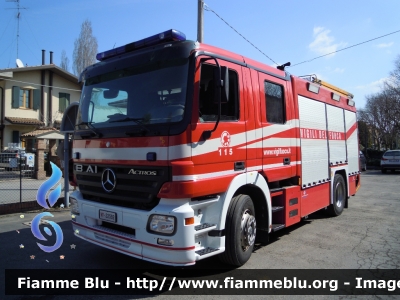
345 48
207 8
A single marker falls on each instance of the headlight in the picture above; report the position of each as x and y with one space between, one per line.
164 225
73 203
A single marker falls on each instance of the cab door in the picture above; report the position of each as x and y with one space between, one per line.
223 155
278 128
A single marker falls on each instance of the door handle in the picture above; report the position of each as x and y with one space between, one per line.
239 165
286 161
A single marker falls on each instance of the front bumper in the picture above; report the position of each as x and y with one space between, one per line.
138 242
390 166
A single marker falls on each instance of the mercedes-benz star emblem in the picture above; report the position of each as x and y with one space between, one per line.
108 180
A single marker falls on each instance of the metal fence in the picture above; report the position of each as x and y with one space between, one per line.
15 165
18 187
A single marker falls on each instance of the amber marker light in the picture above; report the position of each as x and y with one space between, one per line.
189 221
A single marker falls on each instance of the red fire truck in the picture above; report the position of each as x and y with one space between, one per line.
184 151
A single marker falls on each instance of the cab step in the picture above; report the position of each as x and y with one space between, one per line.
203 226
276 227
206 251
276 192
276 208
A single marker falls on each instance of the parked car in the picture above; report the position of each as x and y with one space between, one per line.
363 162
12 158
390 160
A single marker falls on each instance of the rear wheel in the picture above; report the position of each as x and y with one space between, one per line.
339 196
383 171
240 229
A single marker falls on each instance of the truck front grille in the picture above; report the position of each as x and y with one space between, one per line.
135 187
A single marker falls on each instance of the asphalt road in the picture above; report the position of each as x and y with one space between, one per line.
365 236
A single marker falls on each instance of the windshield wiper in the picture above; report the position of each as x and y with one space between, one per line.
91 128
124 118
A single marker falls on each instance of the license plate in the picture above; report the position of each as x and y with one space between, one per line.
108 216
394 160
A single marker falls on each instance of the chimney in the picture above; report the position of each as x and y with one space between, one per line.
43 57
51 57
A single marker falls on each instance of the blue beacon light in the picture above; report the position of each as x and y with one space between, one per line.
166 36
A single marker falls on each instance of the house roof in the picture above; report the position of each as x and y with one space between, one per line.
52 67
45 133
38 131
24 121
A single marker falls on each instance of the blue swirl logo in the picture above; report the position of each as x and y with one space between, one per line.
36 232
41 199
46 186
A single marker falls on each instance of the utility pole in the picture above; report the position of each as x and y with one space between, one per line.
200 12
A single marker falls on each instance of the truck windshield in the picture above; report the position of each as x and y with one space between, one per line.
145 94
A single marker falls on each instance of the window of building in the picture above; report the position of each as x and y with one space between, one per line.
274 102
208 104
63 101
25 98
15 137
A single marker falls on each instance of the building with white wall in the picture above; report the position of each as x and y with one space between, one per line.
32 97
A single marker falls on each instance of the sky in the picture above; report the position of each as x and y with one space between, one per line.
286 31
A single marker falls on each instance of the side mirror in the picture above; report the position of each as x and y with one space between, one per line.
225 87
221 84
221 93
217 84
69 118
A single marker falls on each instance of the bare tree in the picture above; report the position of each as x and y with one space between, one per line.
64 61
382 118
396 72
363 134
393 87
85 48
382 113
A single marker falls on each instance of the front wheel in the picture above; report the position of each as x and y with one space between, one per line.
240 229
339 196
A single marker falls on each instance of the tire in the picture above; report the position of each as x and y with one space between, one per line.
383 171
339 196
240 231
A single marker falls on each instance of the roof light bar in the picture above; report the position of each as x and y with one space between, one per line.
166 36
336 89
